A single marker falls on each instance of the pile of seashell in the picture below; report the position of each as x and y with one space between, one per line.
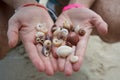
43 39
68 35
64 38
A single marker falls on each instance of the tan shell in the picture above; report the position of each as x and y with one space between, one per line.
56 33
82 32
64 51
39 34
57 42
74 59
47 43
66 25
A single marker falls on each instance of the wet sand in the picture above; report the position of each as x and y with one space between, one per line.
101 62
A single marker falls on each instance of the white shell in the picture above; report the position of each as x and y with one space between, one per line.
74 59
47 43
42 27
56 32
64 51
57 42
38 34
77 28
64 32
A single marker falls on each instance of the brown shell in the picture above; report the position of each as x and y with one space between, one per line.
73 38
82 32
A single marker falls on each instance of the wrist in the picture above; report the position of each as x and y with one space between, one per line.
30 5
86 3
17 3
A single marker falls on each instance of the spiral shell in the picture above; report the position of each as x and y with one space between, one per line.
64 51
45 52
73 38
57 42
57 32
74 59
66 25
82 32
47 43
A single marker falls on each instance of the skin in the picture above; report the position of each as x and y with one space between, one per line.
38 60
88 20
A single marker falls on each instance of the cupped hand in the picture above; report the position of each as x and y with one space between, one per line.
87 20
23 24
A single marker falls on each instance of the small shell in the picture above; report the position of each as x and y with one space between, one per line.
77 28
57 32
66 25
57 42
44 30
64 51
74 59
64 32
47 43
73 38
45 52
82 32
39 25
39 34
40 40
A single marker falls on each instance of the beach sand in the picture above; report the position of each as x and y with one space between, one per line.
101 62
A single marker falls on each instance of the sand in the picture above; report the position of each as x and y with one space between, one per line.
101 62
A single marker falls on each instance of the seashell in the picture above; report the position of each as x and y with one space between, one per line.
63 34
66 25
57 42
47 43
44 30
39 25
40 40
39 34
82 32
45 52
73 38
74 59
77 28
57 32
64 51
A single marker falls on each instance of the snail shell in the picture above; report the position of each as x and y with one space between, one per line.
73 38
47 43
54 28
45 52
57 42
64 51
66 25
57 32
39 34
74 59
82 32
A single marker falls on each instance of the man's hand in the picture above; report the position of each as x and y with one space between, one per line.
88 20
23 23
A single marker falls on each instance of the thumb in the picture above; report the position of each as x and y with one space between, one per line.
100 25
12 33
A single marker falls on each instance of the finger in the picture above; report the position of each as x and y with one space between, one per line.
68 65
54 63
12 33
80 50
46 60
100 24
33 54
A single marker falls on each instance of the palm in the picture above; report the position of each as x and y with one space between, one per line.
26 20
87 19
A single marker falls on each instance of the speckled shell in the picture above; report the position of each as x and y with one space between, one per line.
73 38
64 51
74 59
